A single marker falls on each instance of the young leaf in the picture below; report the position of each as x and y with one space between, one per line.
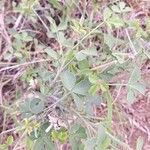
10 140
68 79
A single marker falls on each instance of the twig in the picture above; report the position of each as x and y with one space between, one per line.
24 64
17 143
41 21
7 131
104 66
131 43
18 21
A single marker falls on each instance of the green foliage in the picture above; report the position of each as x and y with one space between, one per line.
31 107
134 85
60 135
76 134
62 58
100 141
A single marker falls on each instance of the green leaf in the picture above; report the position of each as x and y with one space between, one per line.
90 52
116 21
39 145
36 105
29 144
55 4
48 143
90 143
91 101
139 143
61 38
63 25
93 78
138 87
76 134
51 53
25 109
135 75
80 56
101 134
94 89
83 65
119 57
44 143
115 9
10 140
3 147
82 87
78 102
111 41
104 86
68 79
130 96
107 13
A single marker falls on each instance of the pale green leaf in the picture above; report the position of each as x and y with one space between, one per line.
82 87
80 56
115 9
119 57
51 53
116 21
90 143
107 13
138 87
39 145
36 105
68 79
90 52
63 25
135 75
78 102
130 96
48 143
61 37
